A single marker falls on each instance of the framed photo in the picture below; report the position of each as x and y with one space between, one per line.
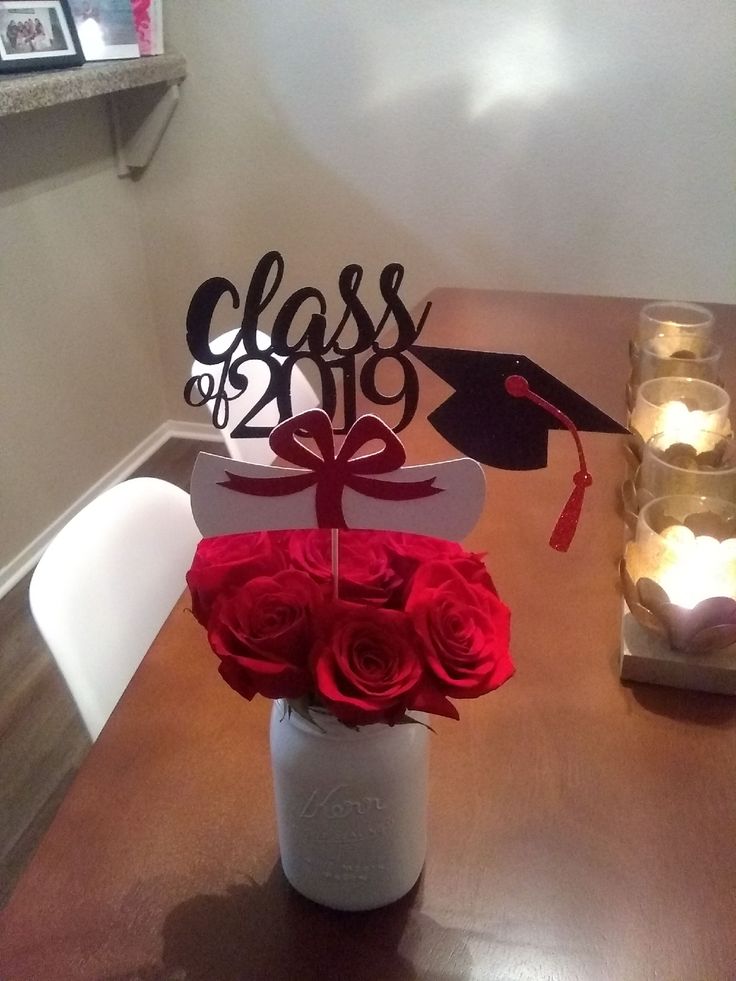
37 34
106 29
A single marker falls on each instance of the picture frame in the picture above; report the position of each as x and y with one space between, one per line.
105 28
37 34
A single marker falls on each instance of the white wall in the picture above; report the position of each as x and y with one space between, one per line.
582 146
80 375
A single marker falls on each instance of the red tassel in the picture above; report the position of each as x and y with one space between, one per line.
567 523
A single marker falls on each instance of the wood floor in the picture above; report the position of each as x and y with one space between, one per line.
42 737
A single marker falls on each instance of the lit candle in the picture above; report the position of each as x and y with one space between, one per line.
679 424
679 573
696 567
682 409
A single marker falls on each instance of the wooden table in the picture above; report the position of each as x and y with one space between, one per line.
579 829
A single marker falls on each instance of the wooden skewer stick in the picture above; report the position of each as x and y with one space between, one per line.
335 534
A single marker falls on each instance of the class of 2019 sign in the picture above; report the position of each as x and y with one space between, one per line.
348 355
500 413
333 349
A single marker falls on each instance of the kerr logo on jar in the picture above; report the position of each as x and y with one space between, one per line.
335 804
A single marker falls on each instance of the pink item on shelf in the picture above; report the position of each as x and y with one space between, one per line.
147 15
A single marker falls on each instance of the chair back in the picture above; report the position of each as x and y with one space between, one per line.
257 373
105 585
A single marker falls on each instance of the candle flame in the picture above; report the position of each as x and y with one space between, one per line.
682 425
695 567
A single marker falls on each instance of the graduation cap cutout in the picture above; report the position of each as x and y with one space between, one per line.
494 426
500 414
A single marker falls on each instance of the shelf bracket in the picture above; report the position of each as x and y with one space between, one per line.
139 119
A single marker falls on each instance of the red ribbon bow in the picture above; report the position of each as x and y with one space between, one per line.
332 474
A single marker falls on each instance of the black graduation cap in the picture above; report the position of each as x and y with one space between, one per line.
499 423
501 413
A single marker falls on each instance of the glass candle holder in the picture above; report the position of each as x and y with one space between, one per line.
687 545
678 468
686 322
679 574
668 356
665 357
682 410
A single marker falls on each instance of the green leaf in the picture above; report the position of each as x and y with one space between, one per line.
302 708
406 720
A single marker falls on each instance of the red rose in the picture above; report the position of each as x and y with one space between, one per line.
420 548
365 571
366 663
310 550
262 632
408 552
465 628
226 561
472 568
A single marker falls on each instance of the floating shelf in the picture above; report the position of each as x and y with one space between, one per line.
38 90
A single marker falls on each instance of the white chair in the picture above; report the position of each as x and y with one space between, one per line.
105 585
303 397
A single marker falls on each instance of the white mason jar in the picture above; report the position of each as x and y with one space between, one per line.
351 808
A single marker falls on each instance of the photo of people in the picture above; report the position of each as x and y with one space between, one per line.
32 30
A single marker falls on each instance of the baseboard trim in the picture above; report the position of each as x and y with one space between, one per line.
177 429
13 572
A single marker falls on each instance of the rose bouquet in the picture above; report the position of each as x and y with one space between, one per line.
418 621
